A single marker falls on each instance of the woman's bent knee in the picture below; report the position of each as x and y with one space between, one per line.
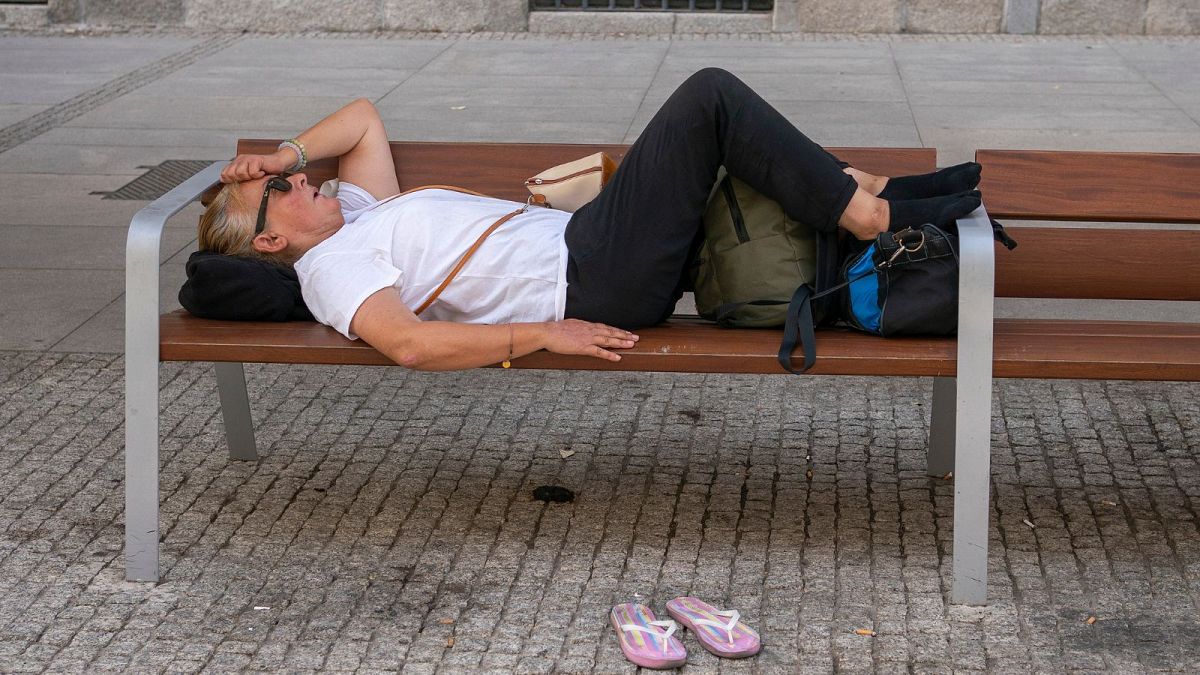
711 78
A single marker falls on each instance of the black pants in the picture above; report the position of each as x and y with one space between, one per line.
629 247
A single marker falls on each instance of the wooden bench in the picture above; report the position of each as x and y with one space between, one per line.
1048 263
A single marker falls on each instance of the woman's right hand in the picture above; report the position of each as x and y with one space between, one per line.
573 336
253 167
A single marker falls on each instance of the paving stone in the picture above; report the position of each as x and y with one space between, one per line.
64 296
46 158
11 113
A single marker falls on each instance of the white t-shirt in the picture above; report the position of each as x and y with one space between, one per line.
519 272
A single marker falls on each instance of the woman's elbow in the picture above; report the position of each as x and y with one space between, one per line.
409 356
413 353
365 106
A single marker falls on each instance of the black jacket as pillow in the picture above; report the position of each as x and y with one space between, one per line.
234 288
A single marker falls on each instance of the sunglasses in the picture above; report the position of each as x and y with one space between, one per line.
280 183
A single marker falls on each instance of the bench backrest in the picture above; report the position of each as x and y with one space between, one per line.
1062 262
1050 262
500 169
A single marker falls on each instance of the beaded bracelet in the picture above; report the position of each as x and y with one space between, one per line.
298 147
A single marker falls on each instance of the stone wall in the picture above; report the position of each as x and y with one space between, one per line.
1130 17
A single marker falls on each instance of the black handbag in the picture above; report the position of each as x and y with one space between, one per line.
902 283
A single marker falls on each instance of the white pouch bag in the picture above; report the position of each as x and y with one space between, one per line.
569 186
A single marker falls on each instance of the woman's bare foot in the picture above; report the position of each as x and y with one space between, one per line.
870 183
866 216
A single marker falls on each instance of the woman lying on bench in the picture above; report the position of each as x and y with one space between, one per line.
568 283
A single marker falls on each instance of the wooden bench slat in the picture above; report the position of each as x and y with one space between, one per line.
1023 348
1090 263
1090 186
1096 357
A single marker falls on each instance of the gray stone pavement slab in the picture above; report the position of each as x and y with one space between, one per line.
1084 51
331 51
1021 71
390 511
66 200
79 247
32 87
1068 98
1091 310
41 306
959 145
784 63
96 333
734 50
15 112
1032 92
210 110
401 112
276 81
530 58
536 128
1112 118
67 58
556 83
804 86
108 136
434 92
107 160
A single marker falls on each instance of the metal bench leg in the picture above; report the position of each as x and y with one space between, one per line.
971 488
973 420
235 409
141 463
941 427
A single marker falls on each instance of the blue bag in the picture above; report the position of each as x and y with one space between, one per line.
905 282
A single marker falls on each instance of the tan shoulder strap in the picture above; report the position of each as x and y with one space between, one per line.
462 261
465 257
426 187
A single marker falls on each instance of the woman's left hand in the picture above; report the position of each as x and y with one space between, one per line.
574 336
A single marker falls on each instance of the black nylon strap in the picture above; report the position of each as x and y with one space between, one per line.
1002 236
799 325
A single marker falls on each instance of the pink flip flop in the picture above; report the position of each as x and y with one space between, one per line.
719 631
645 641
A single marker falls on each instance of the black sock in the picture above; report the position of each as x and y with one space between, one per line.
948 181
937 210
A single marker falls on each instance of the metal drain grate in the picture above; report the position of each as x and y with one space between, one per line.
158 180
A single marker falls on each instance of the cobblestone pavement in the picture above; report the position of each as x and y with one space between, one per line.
389 524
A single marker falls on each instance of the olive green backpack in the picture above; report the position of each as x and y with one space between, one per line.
753 258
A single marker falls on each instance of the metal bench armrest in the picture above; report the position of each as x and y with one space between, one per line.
141 371
142 248
977 277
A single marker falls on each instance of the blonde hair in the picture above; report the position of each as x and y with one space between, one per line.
227 226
